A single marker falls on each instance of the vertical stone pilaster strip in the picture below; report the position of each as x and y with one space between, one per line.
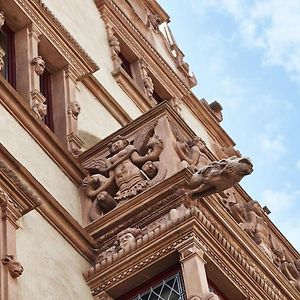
193 267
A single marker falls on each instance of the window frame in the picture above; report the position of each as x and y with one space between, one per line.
10 56
154 281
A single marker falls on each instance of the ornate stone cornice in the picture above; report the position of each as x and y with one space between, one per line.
162 241
57 34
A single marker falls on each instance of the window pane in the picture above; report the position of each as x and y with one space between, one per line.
7 45
170 289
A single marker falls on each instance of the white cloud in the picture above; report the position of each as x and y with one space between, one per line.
273 147
271 25
291 229
277 201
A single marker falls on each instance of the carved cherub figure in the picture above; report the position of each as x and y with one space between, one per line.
286 264
126 239
192 152
95 187
219 176
39 65
125 177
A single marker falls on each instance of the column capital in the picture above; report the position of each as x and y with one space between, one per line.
191 247
34 32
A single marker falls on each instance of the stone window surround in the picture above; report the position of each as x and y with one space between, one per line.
29 15
9 57
136 85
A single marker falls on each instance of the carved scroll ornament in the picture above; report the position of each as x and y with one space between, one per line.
219 176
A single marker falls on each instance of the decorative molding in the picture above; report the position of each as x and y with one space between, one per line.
134 37
106 99
30 194
57 34
132 90
16 105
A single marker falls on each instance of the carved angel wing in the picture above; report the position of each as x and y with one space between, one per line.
142 137
97 165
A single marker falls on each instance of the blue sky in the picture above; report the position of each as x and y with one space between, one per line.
246 55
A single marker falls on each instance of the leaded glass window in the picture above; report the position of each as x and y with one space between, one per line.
168 289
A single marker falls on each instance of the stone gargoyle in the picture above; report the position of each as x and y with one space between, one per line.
219 176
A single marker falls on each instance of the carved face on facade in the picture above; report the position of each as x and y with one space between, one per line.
117 145
126 240
74 109
39 65
15 269
196 141
150 169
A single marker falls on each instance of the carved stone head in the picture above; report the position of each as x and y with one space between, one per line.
150 169
39 65
127 238
197 141
117 144
14 267
74 109
40 109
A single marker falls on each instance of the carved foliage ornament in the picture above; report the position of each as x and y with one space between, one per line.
14 267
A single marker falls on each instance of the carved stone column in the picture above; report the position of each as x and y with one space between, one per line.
10 269
193 270
29 67
66 109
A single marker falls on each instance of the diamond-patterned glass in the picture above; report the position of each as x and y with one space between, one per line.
169 289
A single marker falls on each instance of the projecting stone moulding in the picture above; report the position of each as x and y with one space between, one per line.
146 152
